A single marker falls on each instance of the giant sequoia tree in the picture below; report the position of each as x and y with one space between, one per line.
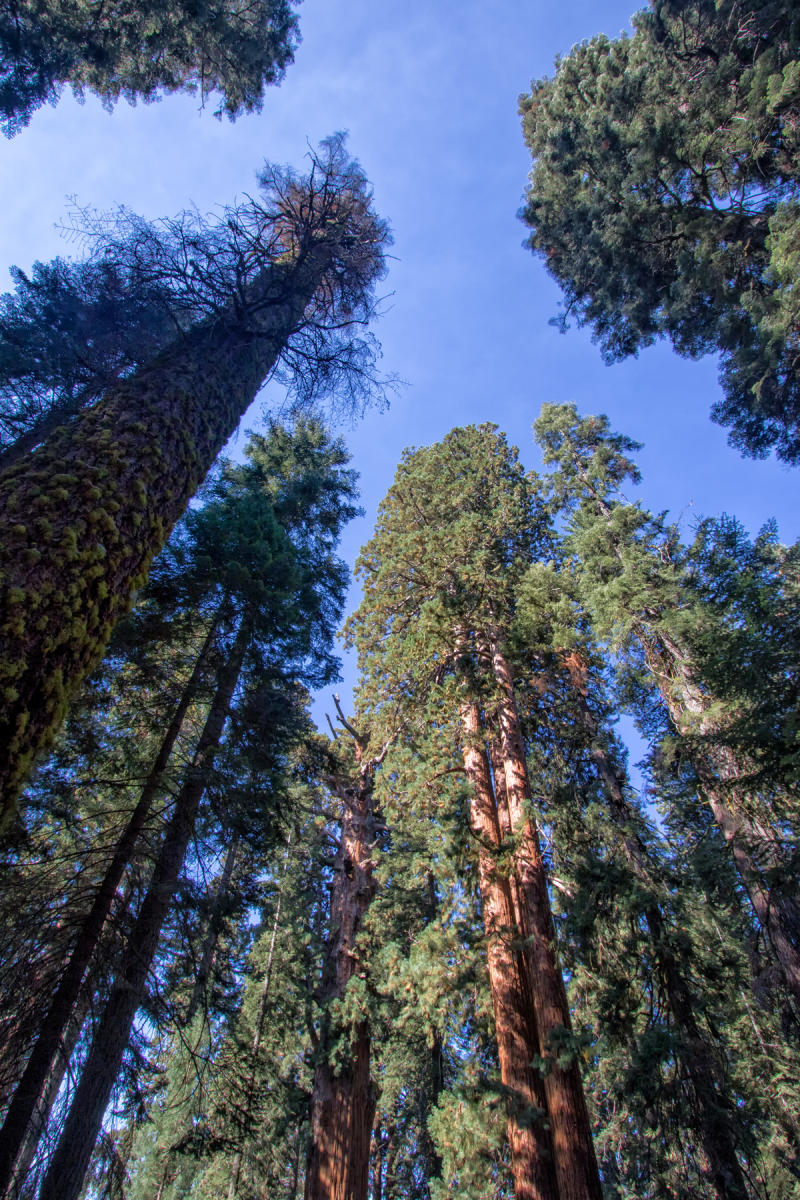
439 575
288 274
140 51
664 198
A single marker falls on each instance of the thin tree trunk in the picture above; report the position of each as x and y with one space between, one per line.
377 1164
210 941
573 1149
52 1030
65 1176
236 1166
51 1088
697 1060
343 1101
295 1169
84 513
518 1041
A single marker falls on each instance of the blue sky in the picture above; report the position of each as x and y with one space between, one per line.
428 92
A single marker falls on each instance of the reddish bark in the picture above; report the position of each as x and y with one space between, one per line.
518 1041
573 1149
343 1109
343 1098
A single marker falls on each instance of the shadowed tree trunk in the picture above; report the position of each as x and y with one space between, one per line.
41 1113
51 1033
343 1097
65 1175
208 953
258 1033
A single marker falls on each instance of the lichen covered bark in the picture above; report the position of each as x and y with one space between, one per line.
83 515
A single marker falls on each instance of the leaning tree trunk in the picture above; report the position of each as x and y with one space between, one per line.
21 1110
711 1110
518 1042
43 1108
720 777
343 1099
574 1156
65 1175
82 516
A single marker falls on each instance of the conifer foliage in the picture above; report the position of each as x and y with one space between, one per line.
141 51
664 197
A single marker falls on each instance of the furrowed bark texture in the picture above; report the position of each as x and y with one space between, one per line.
21 1111
65 1175
343 1099
574 1156
82 516
518 1041
697 1060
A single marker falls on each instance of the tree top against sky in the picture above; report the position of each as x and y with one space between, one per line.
139 51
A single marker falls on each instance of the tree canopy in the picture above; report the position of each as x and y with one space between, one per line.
139 51
665 198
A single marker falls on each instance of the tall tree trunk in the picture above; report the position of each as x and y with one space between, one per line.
52 1030
83 515
720 777
696 1059
343 1100
573 1149
518 1042
71 1158
258 1033
41 1114
208 953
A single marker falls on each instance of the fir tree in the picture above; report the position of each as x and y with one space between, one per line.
280 603
627 910
67 333
636 587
